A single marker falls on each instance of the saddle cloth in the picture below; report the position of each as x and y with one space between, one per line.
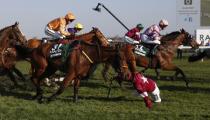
56 51
145 51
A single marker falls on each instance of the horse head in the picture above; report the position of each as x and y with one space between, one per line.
126 62
179 38
188 39
11 35
100 37
18 35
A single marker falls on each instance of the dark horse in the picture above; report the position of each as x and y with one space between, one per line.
9 36
77 65
199 55
165 53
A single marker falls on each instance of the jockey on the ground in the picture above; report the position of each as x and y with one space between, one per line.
144 86
152 34
57 27
133 35
77 28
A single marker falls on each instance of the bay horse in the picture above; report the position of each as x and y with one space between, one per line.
77 65
9 36
164 55
34 42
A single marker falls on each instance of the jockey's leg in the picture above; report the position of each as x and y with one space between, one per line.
156 95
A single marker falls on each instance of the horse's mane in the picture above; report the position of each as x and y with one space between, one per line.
170 36
3 29
85 34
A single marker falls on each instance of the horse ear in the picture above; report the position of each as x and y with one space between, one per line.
16 23
182 30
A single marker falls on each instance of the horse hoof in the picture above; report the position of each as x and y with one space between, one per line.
37 97
41 101
49 100
187 85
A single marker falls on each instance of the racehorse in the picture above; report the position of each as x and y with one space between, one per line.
199 55
77 65
34 43
9 36
165 52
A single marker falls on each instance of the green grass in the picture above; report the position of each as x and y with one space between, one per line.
178 102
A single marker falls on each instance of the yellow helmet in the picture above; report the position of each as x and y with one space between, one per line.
78 26
70 16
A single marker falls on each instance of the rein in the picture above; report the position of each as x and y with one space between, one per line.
83 52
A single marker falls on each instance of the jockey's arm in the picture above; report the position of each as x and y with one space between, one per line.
130 40
62 28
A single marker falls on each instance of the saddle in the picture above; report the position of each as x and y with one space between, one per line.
147 50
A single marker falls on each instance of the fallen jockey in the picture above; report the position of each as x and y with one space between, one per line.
145 85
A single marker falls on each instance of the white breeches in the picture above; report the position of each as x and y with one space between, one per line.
53 33
156 94
146 39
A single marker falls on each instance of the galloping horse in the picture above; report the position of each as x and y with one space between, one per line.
88 37
165 53
77 65
9 36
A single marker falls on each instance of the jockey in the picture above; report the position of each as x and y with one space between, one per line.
77 28
152 34
57 27
144 86
133 35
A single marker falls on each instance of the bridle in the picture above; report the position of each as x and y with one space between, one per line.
17 36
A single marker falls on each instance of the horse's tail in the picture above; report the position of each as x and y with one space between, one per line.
23 51
197 57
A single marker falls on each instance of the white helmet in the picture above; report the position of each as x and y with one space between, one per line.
163 22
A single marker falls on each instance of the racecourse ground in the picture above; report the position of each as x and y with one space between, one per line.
178 102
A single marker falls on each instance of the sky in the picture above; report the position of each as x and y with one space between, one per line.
33 15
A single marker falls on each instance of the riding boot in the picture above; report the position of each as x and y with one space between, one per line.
150 56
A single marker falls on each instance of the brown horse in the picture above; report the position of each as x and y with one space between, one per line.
163 57
9 36
88 37
165 53
77 64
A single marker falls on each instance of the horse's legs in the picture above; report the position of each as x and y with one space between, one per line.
68 79
76 89
105 71
12 77
172 67
19 73
157 73
37 76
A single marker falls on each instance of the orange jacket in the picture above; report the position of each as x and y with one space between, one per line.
59 24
